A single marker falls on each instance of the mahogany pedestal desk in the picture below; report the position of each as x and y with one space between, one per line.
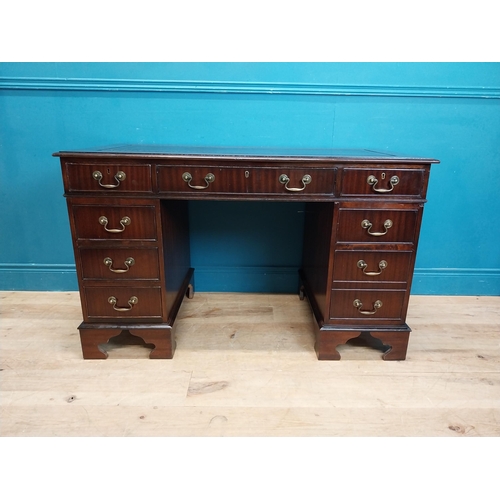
128 211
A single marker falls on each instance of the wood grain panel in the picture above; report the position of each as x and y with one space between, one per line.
79 177
342 307
402 229
316 252
146 263
176 250
142 222
322 180
149 305
245 180
346 265
170 179
411 181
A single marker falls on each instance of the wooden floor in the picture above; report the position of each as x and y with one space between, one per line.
245 366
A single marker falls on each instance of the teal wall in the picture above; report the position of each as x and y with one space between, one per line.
448 111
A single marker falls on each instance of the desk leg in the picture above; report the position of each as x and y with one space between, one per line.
392 343
93 337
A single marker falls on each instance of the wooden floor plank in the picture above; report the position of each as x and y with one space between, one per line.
119 421
245 366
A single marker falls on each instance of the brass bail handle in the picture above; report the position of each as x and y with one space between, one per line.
373 181
363 265
376 306
129 262
131 302
119 176
187 177
366 224
125 221
284 179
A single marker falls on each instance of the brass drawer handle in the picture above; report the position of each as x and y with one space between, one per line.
284 179
187 177
119 176
366 224
131 302
363 265
376 306
372 180
124 222
128 263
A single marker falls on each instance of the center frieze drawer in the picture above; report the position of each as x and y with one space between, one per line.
201 179
282 180
115 222
370 306
376 225
124 303
285 180
118 263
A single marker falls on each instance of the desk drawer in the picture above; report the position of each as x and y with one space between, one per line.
107 177
367 266
120 263
201 179
126 303
374 225
300 181
282 180
370 306
382 181
115 222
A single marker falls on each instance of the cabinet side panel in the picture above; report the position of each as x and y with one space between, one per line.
316 253
176 254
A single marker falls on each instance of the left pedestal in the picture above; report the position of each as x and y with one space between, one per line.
131 253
